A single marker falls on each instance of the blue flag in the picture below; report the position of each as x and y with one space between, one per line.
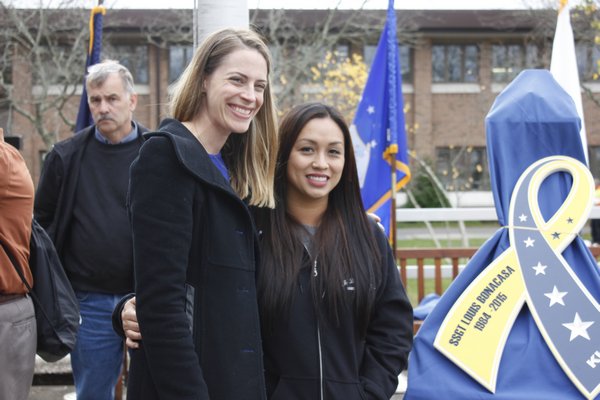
378 130
532 119
84 117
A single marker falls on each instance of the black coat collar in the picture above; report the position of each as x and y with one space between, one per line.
191 153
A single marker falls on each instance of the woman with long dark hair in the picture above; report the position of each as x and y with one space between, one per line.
336 320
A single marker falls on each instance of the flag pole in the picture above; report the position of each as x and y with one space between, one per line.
392 133
393 228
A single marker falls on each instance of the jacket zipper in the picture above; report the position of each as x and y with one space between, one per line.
320 360
315 274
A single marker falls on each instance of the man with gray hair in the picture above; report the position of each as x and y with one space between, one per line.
81 201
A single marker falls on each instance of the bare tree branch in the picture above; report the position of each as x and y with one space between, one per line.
52 44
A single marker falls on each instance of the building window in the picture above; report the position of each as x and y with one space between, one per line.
179 57
342 51
54 65
135 58
508 60
5 115
405 60
6 68
463 168
536 57
455 63
594 159
588 61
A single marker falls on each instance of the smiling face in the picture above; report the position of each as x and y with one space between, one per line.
233 94
315 164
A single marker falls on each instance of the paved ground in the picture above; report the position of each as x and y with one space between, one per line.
52 393
47 371
67 392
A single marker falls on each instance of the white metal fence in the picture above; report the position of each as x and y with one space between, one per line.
456 214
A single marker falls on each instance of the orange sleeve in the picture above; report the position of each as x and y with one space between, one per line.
16 211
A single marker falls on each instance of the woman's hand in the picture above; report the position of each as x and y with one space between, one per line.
376 218
130 324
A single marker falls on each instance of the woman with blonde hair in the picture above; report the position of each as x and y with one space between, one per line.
195 243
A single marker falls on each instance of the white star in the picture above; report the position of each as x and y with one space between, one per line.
556 297
371 110
529 242
540 269
578 328
522 217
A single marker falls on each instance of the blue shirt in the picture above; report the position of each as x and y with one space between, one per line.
129 138
220 164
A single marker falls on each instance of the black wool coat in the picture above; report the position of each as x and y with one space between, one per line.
195 252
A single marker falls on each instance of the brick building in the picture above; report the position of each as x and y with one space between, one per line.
454 63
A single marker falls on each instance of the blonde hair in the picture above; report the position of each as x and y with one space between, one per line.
252 173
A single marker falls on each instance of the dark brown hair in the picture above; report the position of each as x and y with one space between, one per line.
344 244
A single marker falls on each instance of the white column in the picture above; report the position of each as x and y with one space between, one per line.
212 15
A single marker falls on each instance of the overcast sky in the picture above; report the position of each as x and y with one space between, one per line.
312 4
348 4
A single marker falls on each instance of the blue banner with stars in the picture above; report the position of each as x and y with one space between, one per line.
543 349
378 130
